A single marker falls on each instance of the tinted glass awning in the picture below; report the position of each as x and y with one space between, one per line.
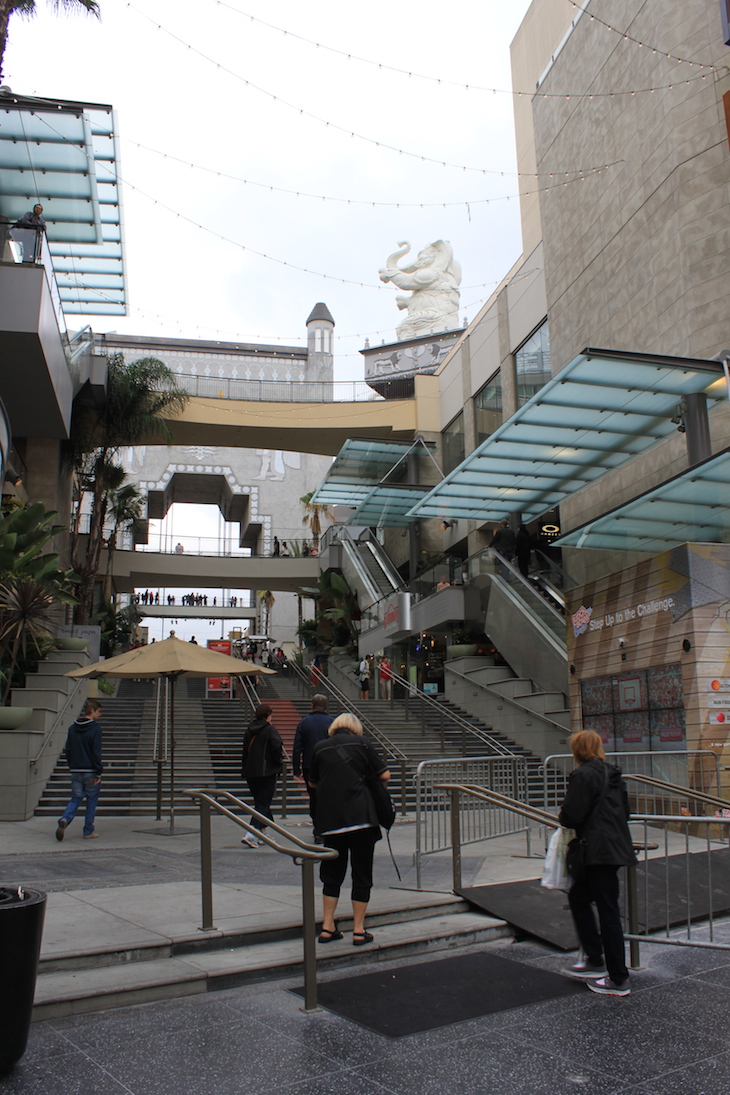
690 508
65 156
372 475
601 410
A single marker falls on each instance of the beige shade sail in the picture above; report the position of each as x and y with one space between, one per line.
171 658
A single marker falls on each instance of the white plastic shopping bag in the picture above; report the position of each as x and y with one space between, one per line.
555 875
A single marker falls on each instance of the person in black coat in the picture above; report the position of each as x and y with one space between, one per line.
596 805
261 762
523 550
346 819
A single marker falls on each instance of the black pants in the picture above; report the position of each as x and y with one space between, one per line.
312 792
262 792
361 845
600 885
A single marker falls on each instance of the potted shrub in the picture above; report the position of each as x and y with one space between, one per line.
462 643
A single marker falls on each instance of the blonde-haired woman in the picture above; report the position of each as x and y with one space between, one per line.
341 766
596 805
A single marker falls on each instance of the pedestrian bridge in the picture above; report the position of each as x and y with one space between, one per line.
288 415
157 569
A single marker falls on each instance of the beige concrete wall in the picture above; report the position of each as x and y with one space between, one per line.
637 257
540 32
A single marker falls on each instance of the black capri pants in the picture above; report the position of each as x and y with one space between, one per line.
360 843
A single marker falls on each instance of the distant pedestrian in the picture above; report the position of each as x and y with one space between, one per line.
285 553
363 673
194 641
316 668
386 677
277 548
503 543
523 550
83 756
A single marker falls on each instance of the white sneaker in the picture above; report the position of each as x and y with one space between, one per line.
251 840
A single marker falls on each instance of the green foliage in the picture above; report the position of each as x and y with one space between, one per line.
139 396
26 624
24 533
337 611
118 627
28 9
107 688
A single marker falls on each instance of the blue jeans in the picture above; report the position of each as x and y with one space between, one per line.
83 787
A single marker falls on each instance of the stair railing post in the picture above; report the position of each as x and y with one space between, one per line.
633 896
455 839
403 807
423 716
206 867
284 789
308 940
441 730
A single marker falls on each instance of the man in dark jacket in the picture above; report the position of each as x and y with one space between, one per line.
312 729
83 756
596 805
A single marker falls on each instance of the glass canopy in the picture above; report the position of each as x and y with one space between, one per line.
601 410
65 156
369 474
690 508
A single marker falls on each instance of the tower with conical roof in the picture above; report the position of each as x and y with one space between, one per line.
320 339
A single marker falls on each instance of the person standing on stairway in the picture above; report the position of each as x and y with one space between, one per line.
312 729
363 673
83 756
261 763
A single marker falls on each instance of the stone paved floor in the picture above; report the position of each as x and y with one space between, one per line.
670 1037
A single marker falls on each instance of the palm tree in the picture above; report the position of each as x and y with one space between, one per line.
28 8
267 601
313 514
126 509
138 396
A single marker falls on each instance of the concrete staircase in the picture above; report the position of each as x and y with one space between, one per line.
93 979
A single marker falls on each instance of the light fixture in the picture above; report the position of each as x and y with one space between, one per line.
13 478
444 524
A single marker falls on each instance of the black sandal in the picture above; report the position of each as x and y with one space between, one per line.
359 939
331 935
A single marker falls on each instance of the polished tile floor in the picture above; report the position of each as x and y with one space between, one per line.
670 1037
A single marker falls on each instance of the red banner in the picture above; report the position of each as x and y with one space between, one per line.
218 686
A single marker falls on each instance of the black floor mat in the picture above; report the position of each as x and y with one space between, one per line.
661 898
428 995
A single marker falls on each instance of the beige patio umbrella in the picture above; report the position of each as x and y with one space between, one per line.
171 658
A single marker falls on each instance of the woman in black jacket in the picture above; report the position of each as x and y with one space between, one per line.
596 805
261 762
342 765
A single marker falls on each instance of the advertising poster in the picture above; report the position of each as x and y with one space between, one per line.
219 686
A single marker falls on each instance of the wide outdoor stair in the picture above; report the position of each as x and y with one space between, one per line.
209 735
80 981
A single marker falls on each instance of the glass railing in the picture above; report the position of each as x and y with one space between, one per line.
278 391
30 245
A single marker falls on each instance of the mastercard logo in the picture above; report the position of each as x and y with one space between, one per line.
715 686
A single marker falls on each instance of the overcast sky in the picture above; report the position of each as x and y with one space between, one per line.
181 92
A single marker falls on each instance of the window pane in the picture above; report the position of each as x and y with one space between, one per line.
453 444
532 363
488 408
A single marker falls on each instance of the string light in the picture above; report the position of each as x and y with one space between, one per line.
361 201
340 128
440 80
629 38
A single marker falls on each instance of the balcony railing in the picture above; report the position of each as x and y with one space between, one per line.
30 246
290 391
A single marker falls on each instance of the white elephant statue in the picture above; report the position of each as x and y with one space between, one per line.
434 277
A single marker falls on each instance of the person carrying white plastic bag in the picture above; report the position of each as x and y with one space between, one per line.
555 875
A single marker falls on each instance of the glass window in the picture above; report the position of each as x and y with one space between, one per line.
453 444
532 364
488 408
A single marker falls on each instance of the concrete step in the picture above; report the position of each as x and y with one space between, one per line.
118 978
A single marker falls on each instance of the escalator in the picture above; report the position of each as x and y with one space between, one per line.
367 567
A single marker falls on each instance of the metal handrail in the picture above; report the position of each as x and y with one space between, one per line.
512 804
392 752
61 715
412 690
303 854
680 791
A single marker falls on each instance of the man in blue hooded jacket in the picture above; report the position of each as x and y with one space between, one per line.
83 756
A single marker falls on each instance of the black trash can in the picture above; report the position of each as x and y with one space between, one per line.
21 927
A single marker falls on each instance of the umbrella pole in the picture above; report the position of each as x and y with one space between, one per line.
172 755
